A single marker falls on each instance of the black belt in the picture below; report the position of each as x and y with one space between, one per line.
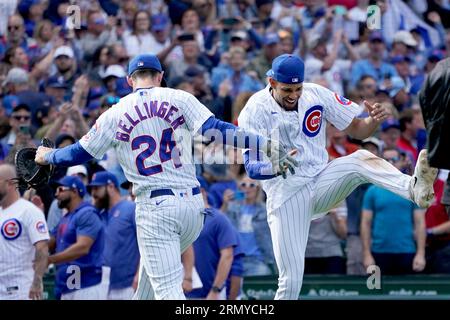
169 192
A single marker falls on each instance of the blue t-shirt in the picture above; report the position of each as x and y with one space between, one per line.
218 233
83 221
365 67
121 252
392 223
247 233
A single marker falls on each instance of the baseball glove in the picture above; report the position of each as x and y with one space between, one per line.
29 173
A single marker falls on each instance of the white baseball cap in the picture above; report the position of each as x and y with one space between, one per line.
16 76
405 37
63 51
80 169
114 70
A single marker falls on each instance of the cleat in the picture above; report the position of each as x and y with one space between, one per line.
421 187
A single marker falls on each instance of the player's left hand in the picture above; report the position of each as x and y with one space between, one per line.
40 155
419 263
377 111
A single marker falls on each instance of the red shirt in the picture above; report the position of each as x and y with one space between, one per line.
407 146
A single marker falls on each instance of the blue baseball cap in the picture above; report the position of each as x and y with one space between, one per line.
144 61
390 123
435 55
103 178
72 182
271 38
287 68
397 85
376 35
10 102
57 82
159 22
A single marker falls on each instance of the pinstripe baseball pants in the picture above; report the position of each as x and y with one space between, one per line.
289 224
166 226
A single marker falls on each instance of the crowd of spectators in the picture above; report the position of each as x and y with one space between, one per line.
57 78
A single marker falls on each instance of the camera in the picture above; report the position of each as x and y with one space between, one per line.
24 129
186 37
239 195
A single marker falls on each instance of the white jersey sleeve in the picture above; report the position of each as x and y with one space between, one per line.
195 112
338 110
101 136
36 225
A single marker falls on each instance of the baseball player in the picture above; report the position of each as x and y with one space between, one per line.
78 242
296 112
151 131
121 253
23 242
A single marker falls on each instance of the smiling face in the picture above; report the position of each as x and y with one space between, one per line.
287 95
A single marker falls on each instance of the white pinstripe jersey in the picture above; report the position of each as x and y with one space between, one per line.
303 130
22 225
149 129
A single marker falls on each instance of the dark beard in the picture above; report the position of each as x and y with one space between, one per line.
63 204
102 203
2 196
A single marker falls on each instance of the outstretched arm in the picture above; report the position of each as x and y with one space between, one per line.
71 155
280 159
363 128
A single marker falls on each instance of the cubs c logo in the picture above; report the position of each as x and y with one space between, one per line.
342 100
11 229
40 227
312 121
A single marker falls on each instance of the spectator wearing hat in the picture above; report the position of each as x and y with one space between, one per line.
160 27
413 83
110 77
322 63
56 87
77 240
396 89
263 62
374 65
390 133
17 83
403 44
433 58
66 67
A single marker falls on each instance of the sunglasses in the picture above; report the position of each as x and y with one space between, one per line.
248 185
25 118
62 189
10 28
